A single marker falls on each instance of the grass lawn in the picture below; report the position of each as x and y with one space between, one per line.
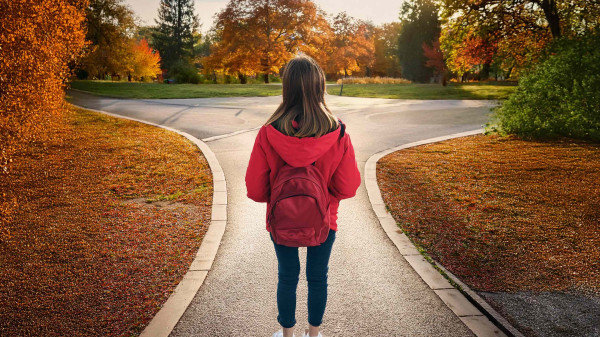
111 213
491 90
483 90
159 90
502 214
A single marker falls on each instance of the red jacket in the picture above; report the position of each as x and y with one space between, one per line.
334 157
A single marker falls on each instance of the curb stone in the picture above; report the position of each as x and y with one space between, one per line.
482 304
171 311
470 308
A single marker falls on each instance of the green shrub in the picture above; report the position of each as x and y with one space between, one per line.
260 78
560 96
274 79
184 72
255 80
231 79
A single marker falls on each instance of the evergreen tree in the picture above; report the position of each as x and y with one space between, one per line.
420 24
174 35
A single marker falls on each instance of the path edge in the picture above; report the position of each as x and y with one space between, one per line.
165 320
470 308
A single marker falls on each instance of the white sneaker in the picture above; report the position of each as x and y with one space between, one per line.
280 334
306 334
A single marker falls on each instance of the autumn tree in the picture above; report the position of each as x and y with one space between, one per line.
352 47
114 47
467 56
144 62
519 52
38 39
174 35
315 39
557 17
260 36
110 28
435 59
385 45
229 53
519 28
420 24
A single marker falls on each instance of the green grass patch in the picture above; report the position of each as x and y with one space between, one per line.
159 90
483 90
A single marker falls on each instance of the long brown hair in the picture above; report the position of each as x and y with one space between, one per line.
303 101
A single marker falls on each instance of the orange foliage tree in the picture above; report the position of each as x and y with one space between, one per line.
260 36
520 29
144 63
38 40
110 26
435 59
315 39
352 46
472 51
519 51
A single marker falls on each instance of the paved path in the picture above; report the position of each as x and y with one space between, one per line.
373 291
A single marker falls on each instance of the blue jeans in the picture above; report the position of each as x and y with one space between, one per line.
317 265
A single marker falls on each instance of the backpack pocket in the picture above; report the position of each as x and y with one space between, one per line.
297 237
296 211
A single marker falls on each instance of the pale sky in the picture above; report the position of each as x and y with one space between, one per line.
378 11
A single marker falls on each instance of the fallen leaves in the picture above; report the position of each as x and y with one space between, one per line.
503 214
111 214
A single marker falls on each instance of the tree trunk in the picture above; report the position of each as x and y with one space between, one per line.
549 8
178 30
267 77
342 87
243 78
485 71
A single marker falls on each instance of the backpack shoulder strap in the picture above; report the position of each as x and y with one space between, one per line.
343 126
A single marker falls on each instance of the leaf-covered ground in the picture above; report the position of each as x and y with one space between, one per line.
111 213
502 214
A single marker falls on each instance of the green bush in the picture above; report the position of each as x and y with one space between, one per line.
256 80
260 78
184 72
560 96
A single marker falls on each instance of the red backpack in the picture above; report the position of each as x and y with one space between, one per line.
298 213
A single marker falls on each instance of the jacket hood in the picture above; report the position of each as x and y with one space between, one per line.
299 152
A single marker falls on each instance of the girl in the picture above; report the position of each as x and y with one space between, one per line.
303 131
